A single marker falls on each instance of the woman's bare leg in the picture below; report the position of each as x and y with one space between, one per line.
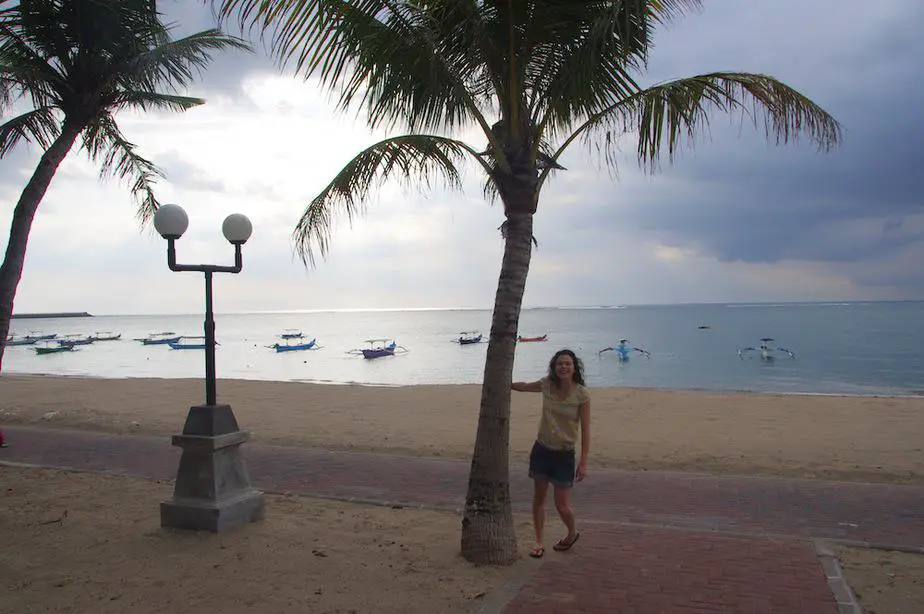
539 495
563 505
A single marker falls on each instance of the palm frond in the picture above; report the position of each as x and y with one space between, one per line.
147 101
410 62
106 145
489 189
414 156
586 53
23 71
62 31
669 114
42 23
39 125
174 63
581 71
665 11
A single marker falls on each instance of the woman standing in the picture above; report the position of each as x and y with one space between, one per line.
565 410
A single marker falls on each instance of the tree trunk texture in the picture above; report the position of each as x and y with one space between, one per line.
23 214
488 532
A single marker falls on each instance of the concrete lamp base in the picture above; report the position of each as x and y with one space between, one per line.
212 491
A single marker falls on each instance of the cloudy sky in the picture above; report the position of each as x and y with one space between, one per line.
734 220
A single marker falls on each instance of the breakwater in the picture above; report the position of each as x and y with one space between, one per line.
63 314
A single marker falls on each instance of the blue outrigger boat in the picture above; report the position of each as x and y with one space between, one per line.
379 348
293 343
180 344
73 340
623 351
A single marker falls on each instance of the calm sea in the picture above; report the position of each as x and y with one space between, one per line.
840 348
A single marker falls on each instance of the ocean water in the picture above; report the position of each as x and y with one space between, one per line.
840 348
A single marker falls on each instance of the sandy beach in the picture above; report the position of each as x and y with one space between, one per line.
108 554
834 437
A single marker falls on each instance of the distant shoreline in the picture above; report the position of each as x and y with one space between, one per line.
60 314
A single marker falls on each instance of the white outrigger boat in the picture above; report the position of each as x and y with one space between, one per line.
160 339
13 340
767 350
105 336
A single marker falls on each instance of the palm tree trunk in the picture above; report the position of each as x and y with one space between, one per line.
488 533
23 214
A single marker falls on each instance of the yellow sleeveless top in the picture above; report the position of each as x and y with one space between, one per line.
558 427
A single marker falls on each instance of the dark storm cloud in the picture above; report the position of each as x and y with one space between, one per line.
739 199
749 203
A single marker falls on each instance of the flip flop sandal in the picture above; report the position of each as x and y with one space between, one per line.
563 545
537 552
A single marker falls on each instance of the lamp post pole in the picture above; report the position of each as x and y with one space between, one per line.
210 394
212 490
209 326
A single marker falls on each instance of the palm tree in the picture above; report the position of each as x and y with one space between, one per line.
79 62
536 76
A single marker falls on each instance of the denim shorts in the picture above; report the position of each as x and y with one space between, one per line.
555 466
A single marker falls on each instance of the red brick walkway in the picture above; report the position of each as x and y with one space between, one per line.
653 541
641 571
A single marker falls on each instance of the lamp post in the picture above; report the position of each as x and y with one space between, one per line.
212 491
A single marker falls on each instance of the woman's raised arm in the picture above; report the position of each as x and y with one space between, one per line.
527 386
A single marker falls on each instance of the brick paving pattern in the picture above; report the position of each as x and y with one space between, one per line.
642 571
653 542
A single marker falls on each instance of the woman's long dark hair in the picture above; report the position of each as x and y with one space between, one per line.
578 367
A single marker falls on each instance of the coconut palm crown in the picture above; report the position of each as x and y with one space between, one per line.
536 76
75 64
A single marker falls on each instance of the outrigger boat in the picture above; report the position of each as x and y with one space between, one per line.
292 345
623 350
179 344
469 337
13 340
48 347
160 339
291 333
73 340
767 349
106 336
41 336
379 348
522 339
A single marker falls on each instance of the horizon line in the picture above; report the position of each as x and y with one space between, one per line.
530 308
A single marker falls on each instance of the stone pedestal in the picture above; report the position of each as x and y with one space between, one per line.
212 491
